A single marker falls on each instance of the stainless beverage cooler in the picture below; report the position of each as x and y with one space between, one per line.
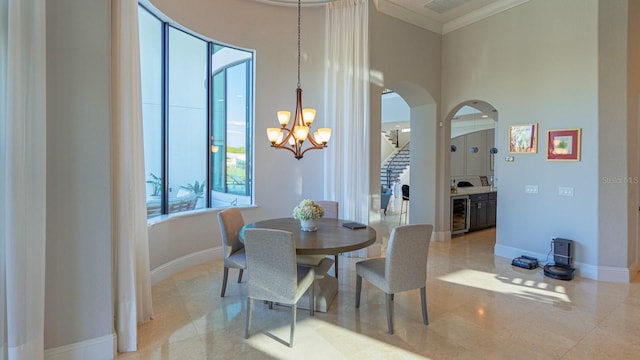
459 214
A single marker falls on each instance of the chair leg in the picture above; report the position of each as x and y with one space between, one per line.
423 297
389 313
225 275
312 299
335 265
358 288
240 276
248 324
293 324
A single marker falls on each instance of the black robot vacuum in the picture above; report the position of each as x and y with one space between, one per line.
563 257
559 272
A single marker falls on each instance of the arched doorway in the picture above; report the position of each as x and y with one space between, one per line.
472 170
423 144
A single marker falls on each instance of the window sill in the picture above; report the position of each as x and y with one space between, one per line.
184 214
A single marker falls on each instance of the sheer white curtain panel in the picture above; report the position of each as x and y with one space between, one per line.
22 178
347 107
132 279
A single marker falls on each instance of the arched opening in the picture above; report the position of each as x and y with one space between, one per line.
472 170
418 130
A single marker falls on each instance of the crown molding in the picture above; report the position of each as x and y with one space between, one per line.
480 14
295 2
412 17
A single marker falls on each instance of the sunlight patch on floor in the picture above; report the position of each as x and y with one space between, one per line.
524 288
328 339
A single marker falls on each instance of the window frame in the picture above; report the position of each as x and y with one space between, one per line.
250 66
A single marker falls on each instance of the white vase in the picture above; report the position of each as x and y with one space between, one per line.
308 225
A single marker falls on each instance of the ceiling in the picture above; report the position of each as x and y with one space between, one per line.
439 16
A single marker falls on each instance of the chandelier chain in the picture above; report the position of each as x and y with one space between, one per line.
298 43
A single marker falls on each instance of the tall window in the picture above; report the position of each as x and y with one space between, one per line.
230 123
197 115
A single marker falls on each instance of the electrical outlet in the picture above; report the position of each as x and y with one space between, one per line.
531 189
565 191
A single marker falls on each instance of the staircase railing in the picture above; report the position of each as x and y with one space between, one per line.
394 160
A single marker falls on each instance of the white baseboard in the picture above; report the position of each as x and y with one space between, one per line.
441 236
183 263
511 252
96 349
588 271
608 273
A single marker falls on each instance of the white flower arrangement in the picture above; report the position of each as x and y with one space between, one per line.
308 210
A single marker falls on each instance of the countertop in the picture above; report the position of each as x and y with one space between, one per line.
474 190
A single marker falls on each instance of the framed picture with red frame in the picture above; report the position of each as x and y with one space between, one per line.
564 144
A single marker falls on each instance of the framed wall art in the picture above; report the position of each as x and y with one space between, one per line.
523 139
564 144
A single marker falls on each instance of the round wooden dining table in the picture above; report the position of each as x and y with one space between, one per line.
331 238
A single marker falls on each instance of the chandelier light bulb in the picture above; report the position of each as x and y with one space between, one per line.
323 135
301 132
283 117
308 114
274 135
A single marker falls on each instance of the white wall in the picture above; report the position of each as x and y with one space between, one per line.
78 262
633 133
469 166
538 63
386 149
411 67
395 112
618 136
181 241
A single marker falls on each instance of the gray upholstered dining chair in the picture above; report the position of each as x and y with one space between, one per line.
330 208
404 267
231 222
274 275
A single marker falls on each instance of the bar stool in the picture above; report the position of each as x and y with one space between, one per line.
404 207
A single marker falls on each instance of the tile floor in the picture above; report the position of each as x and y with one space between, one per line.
480 307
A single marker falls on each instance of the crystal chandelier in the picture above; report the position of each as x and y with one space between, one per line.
293 138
